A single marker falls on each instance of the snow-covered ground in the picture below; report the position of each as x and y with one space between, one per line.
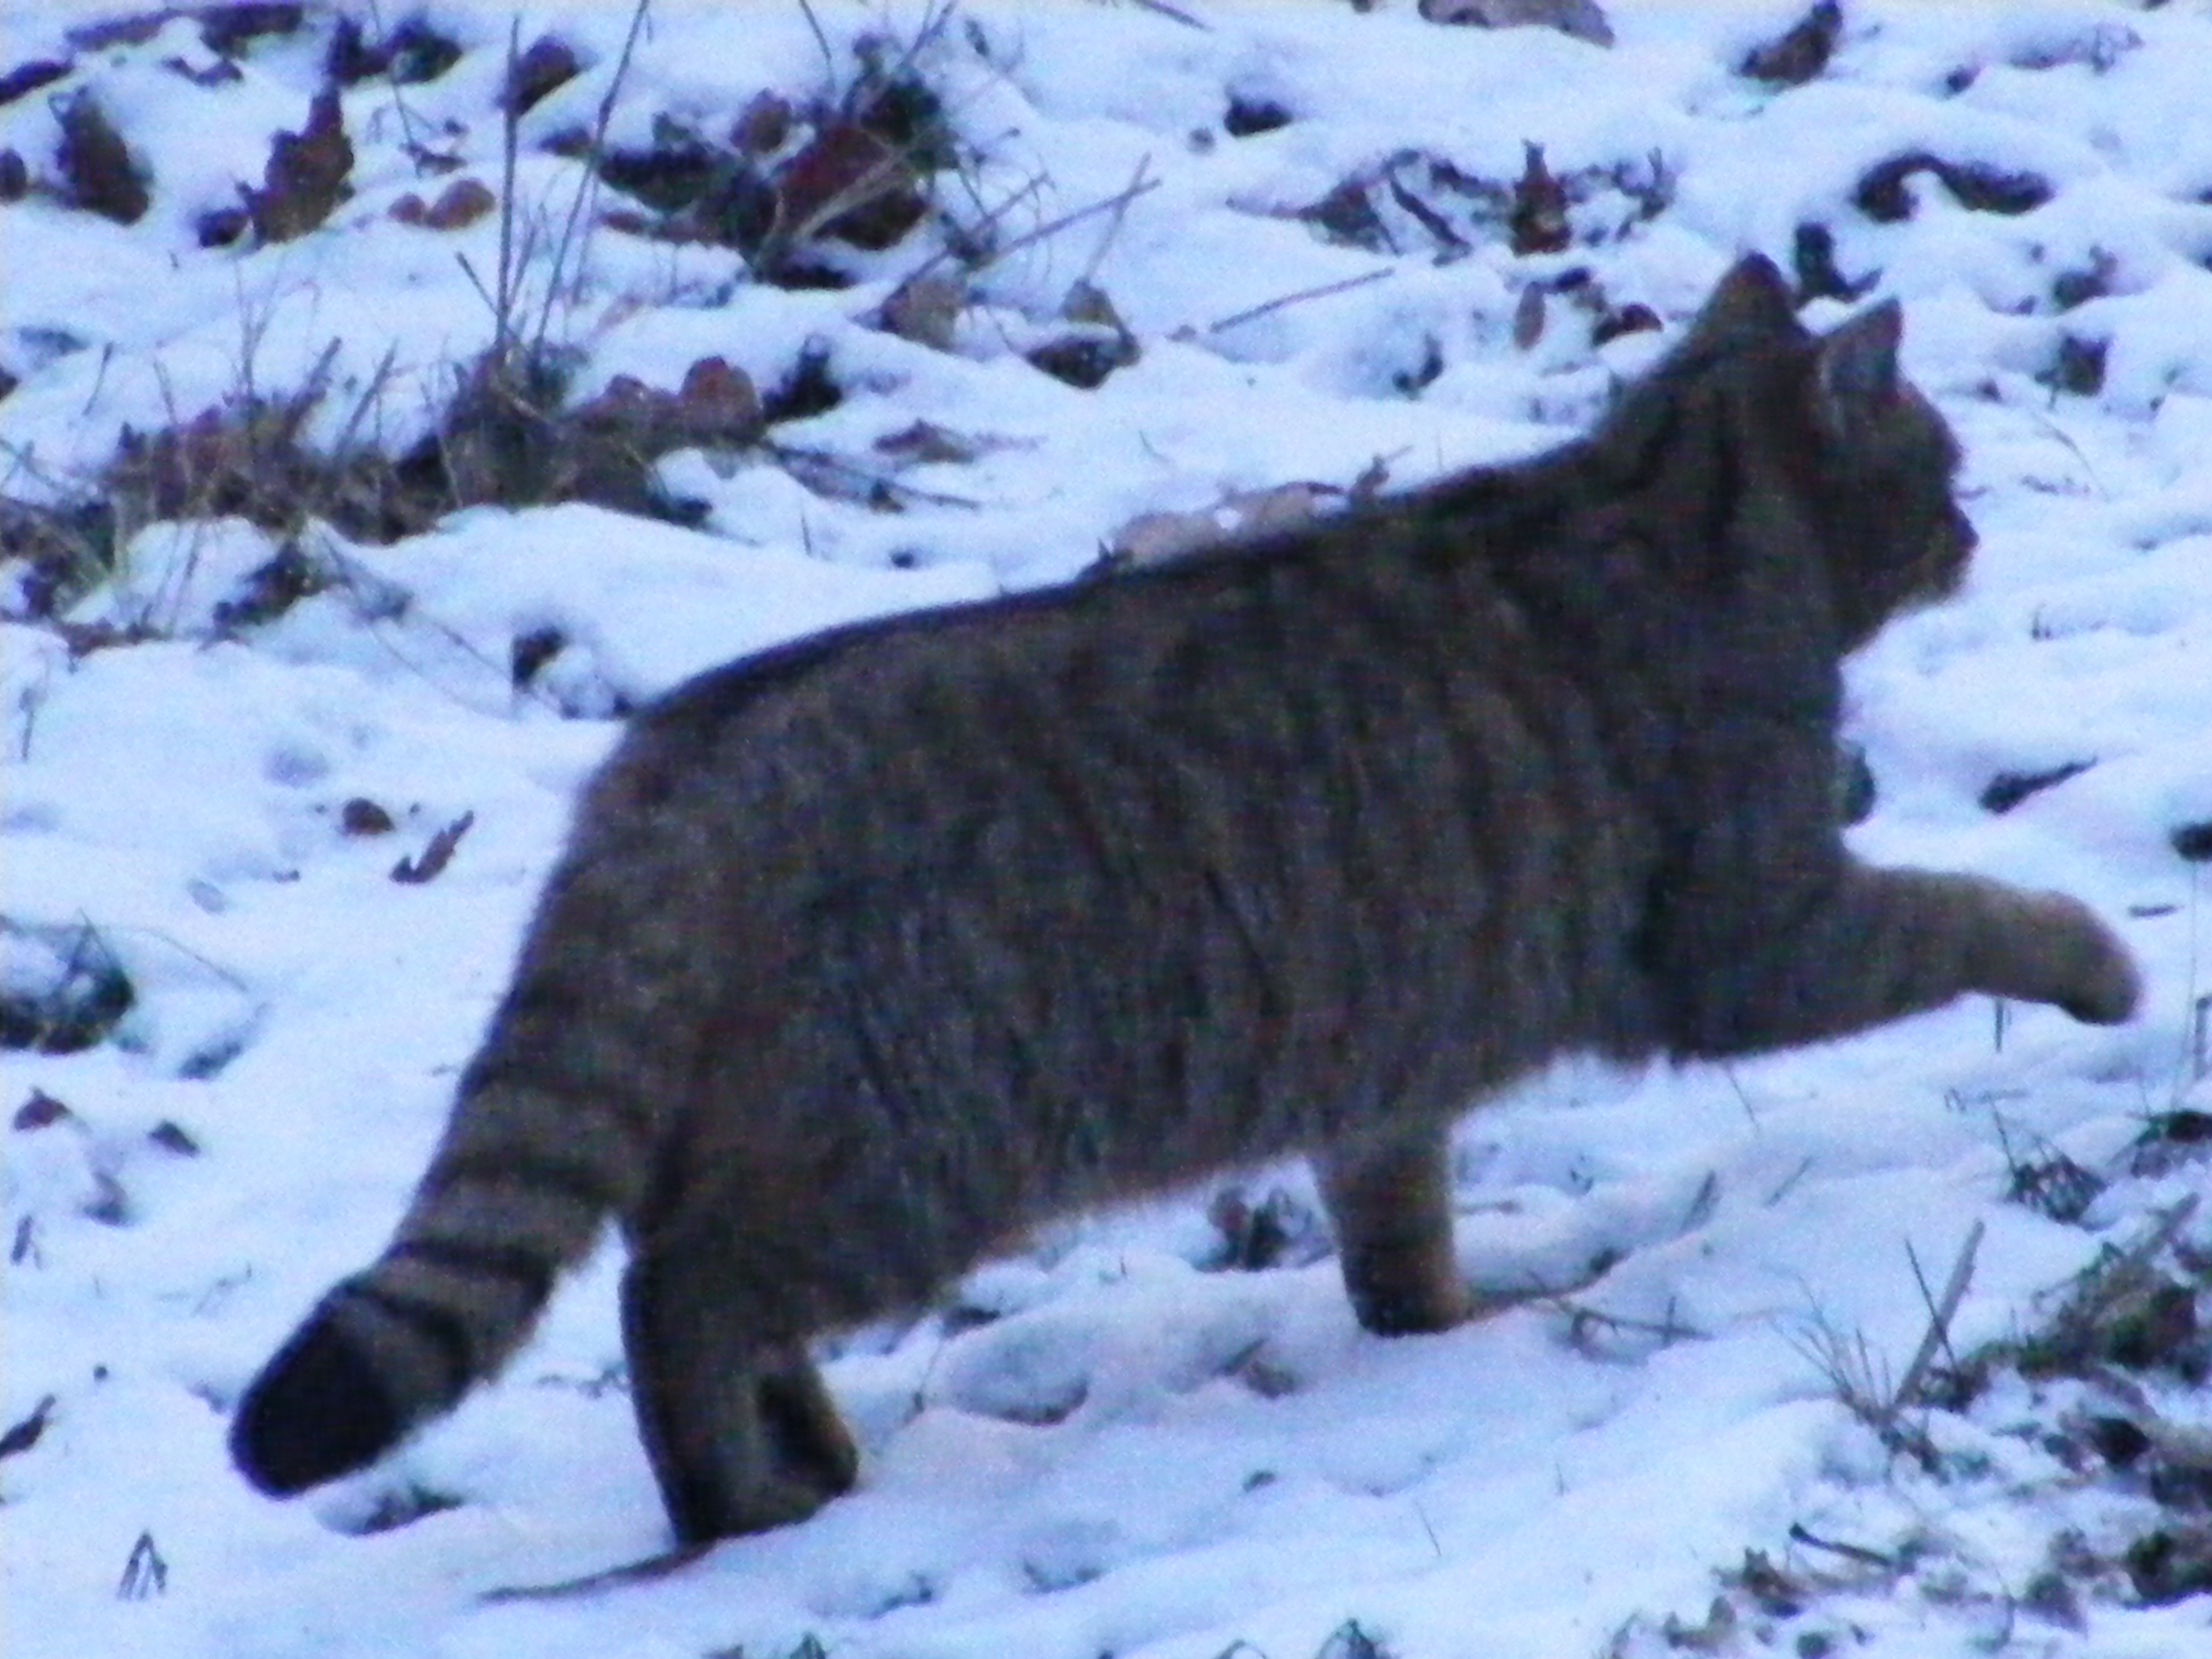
1116 1445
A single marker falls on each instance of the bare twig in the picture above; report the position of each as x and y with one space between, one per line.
510 125
99 375
2067 439
588 188
417 152
1581 1319
1940 1313
1727 1071
1702 1203
490 300
1860 1380
1114 220
1793 1177
646 1572
1300 297
371 394
1859 1553
1424 1515
791 455
1111 204
821 40
988 221
1175 12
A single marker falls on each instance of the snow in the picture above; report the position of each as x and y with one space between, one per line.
1105 1445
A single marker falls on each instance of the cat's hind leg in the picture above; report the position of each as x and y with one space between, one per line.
1390 1199
741 1436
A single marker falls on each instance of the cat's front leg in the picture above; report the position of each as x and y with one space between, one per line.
1884 944
2050 947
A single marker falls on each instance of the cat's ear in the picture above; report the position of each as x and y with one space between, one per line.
1753 301
1857 374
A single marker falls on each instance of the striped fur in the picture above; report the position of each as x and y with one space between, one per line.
868 953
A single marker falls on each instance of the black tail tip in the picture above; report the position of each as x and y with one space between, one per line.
317 1411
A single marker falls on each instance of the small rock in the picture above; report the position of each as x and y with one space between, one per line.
925 443
763 126
549 62
2119 1441
172 1138
2077 367
97 170
1528 317
1798 56
2171 1563
527 654
1248 116
222 226
362 817
1635 317
2193 842
461 203
23 1435
40 1111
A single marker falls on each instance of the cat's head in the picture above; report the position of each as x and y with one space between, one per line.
1867 458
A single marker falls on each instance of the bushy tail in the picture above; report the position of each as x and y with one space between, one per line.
518 1192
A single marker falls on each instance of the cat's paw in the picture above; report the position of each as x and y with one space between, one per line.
2091 976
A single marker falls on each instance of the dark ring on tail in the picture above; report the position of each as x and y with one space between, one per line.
318 1411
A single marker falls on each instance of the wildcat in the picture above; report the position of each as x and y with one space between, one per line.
870 951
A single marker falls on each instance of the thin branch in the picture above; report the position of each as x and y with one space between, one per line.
416 151
646 1572
1858 1552
510 126
1940 1314
1177 12
593 153
1112 203
821 40
371 394
989 221
787 455
1794 1176
1300 297
1114 221
2066 438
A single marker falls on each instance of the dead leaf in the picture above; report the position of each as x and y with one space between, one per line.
306 175
434 857
1528 317
1538 219
925 310
25 1435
